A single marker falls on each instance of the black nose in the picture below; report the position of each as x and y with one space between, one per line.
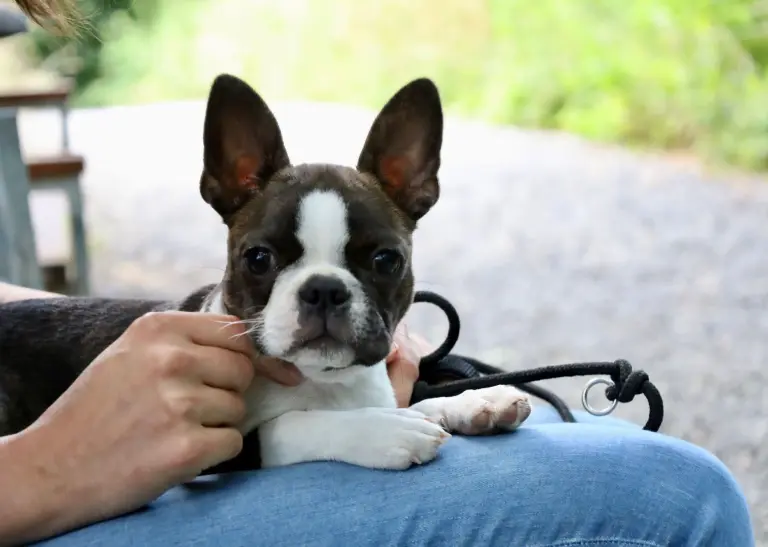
324 293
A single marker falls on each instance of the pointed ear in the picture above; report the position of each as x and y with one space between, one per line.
403 147
243 146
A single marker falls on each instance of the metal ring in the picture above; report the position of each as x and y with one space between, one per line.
585 394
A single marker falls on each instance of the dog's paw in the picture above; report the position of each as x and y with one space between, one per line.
396 439
480 411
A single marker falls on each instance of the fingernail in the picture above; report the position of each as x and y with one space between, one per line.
294 374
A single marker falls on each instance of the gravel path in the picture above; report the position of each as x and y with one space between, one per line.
552 249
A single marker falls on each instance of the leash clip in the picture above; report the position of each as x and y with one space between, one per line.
585 398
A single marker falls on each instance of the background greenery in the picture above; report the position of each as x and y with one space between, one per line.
674 74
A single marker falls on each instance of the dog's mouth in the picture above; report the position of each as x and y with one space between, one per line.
330 345
323 335
337 369
323 343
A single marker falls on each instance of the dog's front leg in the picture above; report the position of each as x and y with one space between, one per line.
382 438
479 411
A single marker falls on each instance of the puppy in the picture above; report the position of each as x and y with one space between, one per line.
319 268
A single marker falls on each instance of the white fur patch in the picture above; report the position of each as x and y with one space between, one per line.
479 411
380 438
322 228
323 232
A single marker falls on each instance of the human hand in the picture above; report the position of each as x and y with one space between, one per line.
157 407
403 362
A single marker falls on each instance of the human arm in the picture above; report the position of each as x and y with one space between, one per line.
11 293
153 410
97 479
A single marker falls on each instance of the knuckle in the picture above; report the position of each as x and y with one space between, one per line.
151 321
180 405
172 360
187 451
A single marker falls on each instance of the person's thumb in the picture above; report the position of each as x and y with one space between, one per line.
403 375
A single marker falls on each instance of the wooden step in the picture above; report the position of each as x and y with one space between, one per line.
29 98
54 167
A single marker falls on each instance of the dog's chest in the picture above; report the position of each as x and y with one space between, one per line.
266 400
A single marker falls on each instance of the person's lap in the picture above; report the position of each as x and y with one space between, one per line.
606 483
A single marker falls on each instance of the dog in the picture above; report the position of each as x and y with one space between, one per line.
319 268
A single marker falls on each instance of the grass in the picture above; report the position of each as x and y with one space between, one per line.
671 74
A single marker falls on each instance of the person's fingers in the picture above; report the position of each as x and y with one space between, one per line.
205 329
394 352
420 345
226 332
217 408
402 376
412 347
403 362
223 369
218 444
403 368
278 370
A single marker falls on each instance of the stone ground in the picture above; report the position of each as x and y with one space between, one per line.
552 249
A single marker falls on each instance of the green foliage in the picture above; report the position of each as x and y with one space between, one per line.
81 58
676 74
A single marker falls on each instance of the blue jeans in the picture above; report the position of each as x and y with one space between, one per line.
604 483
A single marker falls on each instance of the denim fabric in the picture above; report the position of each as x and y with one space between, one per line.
603 483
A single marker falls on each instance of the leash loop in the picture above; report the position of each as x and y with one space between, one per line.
626 384
623 386
585 397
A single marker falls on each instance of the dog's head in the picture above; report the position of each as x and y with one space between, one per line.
319 260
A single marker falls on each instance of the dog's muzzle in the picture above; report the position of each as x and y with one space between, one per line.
324 305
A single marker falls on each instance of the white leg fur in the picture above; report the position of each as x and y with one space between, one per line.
479 411
380 438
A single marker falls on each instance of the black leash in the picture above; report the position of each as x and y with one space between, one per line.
468 373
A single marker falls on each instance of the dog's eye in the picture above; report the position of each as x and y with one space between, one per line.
260 260
387 262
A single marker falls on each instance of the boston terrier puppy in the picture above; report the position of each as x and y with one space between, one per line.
319 269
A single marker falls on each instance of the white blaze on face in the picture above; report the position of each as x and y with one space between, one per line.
322 228
323 231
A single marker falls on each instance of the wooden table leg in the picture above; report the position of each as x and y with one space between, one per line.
18 255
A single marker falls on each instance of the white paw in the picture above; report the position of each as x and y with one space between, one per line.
396 438
480 411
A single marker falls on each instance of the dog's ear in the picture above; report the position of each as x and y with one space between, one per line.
403 147
243 146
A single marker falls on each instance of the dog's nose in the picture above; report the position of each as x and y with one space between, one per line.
324 293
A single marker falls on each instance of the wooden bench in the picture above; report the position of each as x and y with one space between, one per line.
62 172
67 270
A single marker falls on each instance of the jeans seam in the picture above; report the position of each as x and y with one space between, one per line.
601 541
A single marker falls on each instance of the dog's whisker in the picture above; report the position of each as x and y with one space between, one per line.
253 324
231 323
250 330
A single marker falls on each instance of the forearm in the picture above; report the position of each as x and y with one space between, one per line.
37 507
34 506
11 293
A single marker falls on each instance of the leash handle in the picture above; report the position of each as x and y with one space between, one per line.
625 383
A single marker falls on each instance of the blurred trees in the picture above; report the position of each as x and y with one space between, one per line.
681 74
